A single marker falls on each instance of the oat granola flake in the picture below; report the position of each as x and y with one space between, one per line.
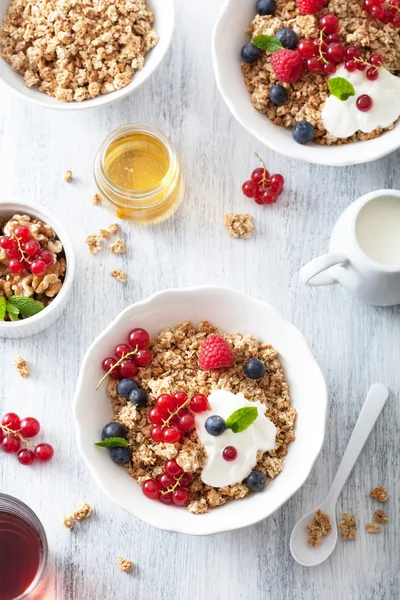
162 400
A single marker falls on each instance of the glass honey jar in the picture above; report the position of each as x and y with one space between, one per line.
138 173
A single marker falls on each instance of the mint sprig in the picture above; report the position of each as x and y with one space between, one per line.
3 307
13 311
341 88
26 306
242 418
113 442
269 43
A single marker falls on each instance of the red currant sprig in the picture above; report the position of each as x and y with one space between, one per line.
262 187
170 419
323 54
13 433
170 487
128 360
386 12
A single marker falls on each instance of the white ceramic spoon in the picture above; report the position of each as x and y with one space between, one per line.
304 554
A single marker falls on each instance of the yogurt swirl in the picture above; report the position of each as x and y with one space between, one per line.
261 435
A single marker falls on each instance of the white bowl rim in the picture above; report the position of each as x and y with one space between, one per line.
313 153
103 99
37 210
174 526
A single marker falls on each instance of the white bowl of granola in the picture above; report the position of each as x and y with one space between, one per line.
24 294
271 124
127 43
293 384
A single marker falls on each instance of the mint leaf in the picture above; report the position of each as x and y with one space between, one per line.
3 307
13 311
113 442
341 88
26 306
269 43
242 418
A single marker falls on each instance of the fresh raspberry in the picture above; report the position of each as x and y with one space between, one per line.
287 65
215 353
309 7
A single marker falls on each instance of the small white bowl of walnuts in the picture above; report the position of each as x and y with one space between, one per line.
37 267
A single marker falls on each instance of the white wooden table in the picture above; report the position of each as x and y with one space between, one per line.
356 345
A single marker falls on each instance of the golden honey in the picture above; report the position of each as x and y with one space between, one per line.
138 173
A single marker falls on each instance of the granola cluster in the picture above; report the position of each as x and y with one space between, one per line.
175 368
239 226
23 369
77 49
319 527
307 95
125 564
42 288
83 512
348 527
94 241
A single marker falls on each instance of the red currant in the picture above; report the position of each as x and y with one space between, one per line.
2 435
369 4
25 457
396 20
29 427
306 48
270 196
11 444
143 358
378 12
156 433
180 496
122 350
139 337
166 403
185 480
167 480
180 398
314 65
173 468
258 200
171 435
44 452
352 52
38 267
47 257
128 368
336 52
22 233
156 416
277 182
108 363
372 73
6 242
329 23
16 266
31 248
12 421
198 403
250 189
364 103
361 66
329 68
333 37
151 489
115 373
259 174
14 252
186 423
350 66
166 498
376 60
229 453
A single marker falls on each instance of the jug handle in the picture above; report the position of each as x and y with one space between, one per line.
313 272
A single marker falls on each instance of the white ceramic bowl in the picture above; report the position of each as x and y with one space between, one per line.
228 38
232 312
39 322
164 20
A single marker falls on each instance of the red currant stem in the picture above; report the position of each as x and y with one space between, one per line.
23 255
135 351
17 434
322 57
386 5
265 179
173 488
362 61
173 414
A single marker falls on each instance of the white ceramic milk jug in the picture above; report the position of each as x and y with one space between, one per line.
364 251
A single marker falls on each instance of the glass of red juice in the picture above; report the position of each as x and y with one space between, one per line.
23 551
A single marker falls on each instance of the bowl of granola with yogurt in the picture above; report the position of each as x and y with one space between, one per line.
317 80
74 55
37 266
200 410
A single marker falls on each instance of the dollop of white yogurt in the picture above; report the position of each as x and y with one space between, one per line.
342 118
260 435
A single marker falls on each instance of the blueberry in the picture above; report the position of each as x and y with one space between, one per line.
113 430
125 386
303 132
254 368
287 37
250 53
266 7
215 425
256 481
138 397
121 456
278 94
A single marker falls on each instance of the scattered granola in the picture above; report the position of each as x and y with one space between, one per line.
174 367
117 247
348 527
373 528
96 199
320 526
75 50
68 176
379 493
380 516
119 274
125 564
94 242
239 226
83 512
22 366
111 230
